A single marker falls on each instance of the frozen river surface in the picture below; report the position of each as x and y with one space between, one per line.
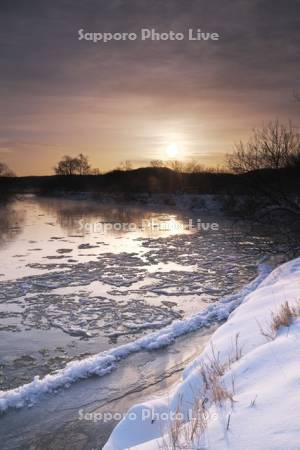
72 284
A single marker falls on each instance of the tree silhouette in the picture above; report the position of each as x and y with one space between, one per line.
73 166
5 171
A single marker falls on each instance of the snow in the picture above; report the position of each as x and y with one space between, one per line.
104 362
264 382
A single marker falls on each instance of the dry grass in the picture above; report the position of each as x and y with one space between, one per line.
214 389
182 434
220 393
285 316
238 353
282 318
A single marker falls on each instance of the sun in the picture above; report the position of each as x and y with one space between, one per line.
172 150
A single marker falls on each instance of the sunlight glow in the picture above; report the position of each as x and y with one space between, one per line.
172 151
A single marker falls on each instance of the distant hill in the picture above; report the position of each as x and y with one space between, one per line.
146 180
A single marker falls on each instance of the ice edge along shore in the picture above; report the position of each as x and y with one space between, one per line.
104 362
264 380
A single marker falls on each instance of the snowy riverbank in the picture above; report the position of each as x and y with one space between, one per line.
245 385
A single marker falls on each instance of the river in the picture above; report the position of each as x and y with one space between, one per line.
80 277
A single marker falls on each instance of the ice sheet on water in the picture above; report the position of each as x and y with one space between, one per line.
86 315
105 362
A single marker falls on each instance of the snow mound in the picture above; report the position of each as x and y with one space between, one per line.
103 363
263 378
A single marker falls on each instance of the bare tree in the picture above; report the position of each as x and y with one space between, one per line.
125 165
267 190
157 163
67 166
274 146
193 167
176 165
268 163
73 166
84 167
95 171
5 171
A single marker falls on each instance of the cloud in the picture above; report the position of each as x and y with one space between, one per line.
5 150
54 87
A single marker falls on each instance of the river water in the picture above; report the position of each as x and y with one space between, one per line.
79 277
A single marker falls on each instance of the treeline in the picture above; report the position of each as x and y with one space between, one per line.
151 180
265 170
79 165
148 180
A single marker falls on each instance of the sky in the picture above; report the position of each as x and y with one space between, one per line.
133 99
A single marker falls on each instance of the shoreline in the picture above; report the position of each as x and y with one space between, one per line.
104 363
242 384
55 421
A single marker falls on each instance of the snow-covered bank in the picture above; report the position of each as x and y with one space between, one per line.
254 400
105 362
